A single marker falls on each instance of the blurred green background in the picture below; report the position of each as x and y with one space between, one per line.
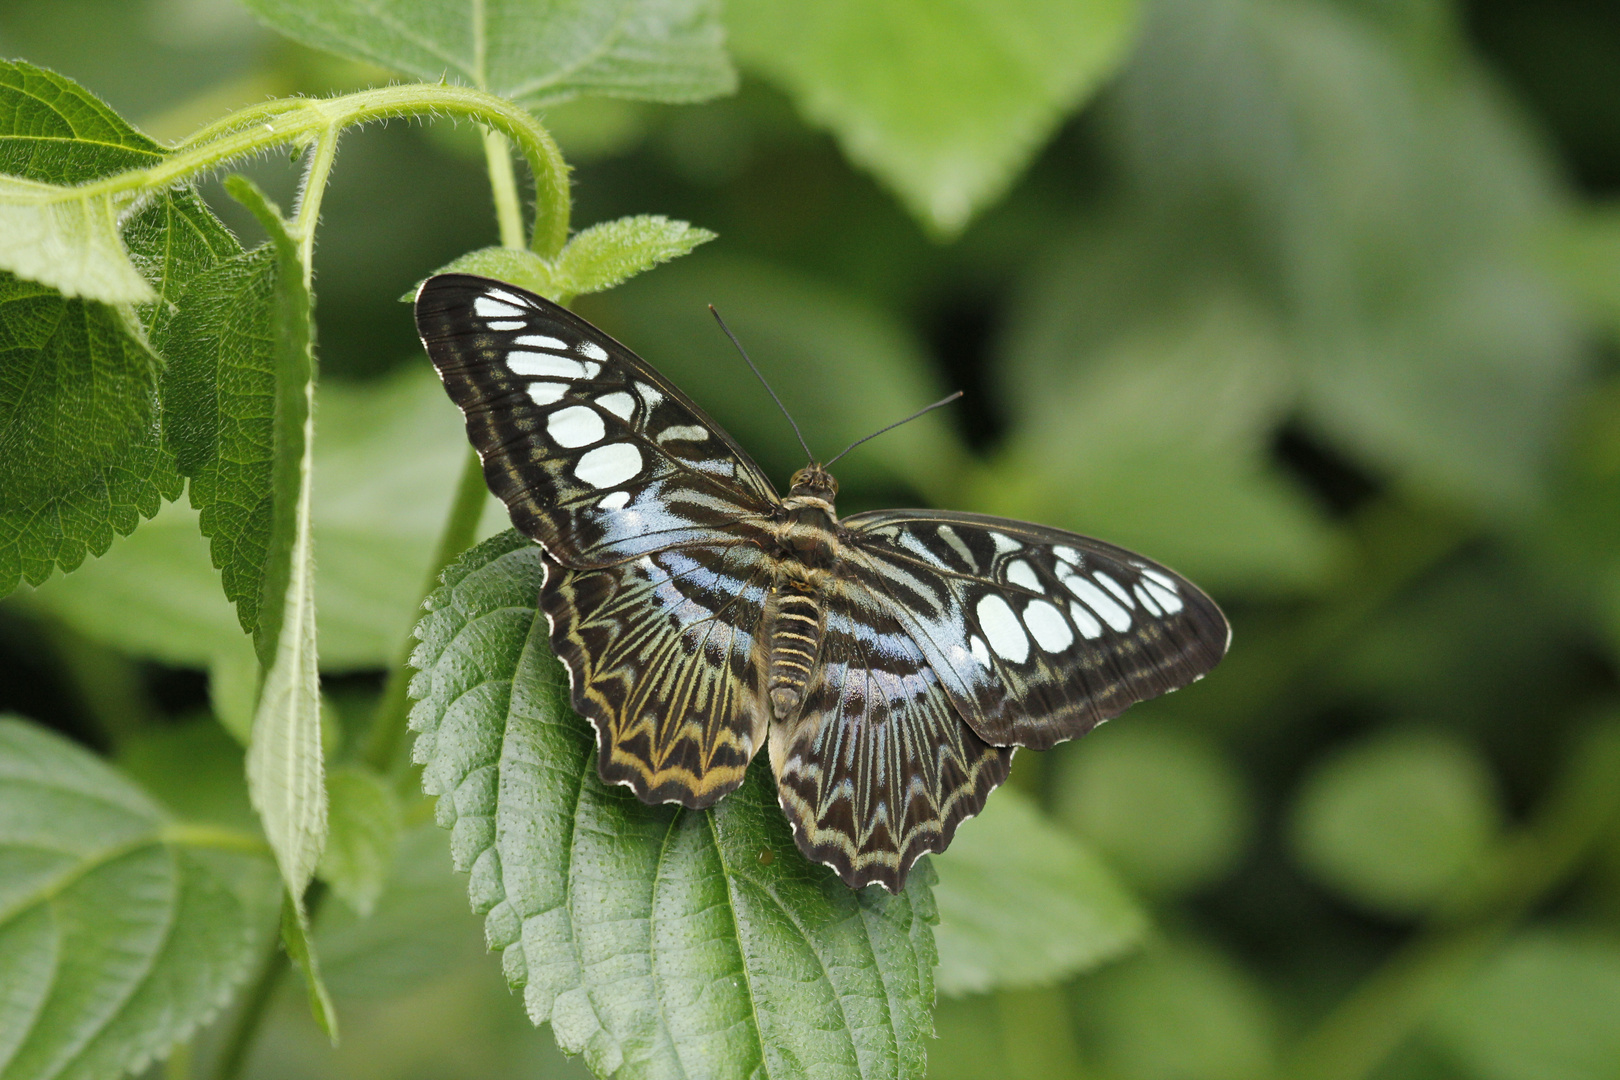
1318 302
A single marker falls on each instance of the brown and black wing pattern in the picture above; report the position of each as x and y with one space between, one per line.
1038 635
878 768
594 453
664 652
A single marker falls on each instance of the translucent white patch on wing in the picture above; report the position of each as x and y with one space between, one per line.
507 298
1089 627
1114 587
1049 627
608 466
592 350
683 433
980 652
1021 573
541 341
1099 601
487 307
649 394
1147 600
1002 629
577 425
547 393
948 534
544 364
1164 580
1068 555
1004 544
618 403
507 324
616 501
1167 599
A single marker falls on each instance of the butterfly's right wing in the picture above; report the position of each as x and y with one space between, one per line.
595 454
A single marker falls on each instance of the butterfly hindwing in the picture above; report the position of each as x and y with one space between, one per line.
1038 635
594 453
664 653
878 768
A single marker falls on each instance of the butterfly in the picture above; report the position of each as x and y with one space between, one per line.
891 661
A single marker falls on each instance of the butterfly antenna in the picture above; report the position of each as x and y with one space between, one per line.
946 400
808 455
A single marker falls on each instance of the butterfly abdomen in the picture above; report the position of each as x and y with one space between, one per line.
795 636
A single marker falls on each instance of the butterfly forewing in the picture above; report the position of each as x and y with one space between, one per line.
878 769
1038 635
594 453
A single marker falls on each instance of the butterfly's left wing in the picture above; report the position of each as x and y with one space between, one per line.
1038 635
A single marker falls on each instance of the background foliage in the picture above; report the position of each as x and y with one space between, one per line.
1316 300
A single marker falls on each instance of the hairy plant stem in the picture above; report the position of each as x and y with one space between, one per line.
1385 1010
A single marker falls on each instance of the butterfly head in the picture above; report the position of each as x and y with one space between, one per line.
814 482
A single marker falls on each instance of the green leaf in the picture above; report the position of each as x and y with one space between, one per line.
233 686
656 50
946 103
82 456
1541 1009
657 941
364 822
121 931
70 241
1163 806
295 938
1396 821
1070 914
595 260
1158 437
386 466
843 367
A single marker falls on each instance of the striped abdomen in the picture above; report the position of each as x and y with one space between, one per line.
795 637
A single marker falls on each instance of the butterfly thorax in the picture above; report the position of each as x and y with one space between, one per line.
807 538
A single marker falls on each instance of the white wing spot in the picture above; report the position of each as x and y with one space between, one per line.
1114 587
1004 544
1068 555
1090 628
547 393
1167 599
592 350
488 307
1147 600
1165 580
1001 627
1020 572
507 298
506 324
608 465
541 341
1047 624
543 364
980 653
649 394
1100 602
620 404
948 534
616 501
577 425
683 433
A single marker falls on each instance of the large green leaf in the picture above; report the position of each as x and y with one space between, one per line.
660 50
82 455
946 103
121 930
658 941
1071 914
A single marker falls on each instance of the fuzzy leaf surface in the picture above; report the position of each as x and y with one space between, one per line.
657 941
121 930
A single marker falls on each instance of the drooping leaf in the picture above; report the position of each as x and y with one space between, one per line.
55 236
946 103
364 822
596 259
295 938
655 940
82 457
121 930
658 50
1070 914
385 467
